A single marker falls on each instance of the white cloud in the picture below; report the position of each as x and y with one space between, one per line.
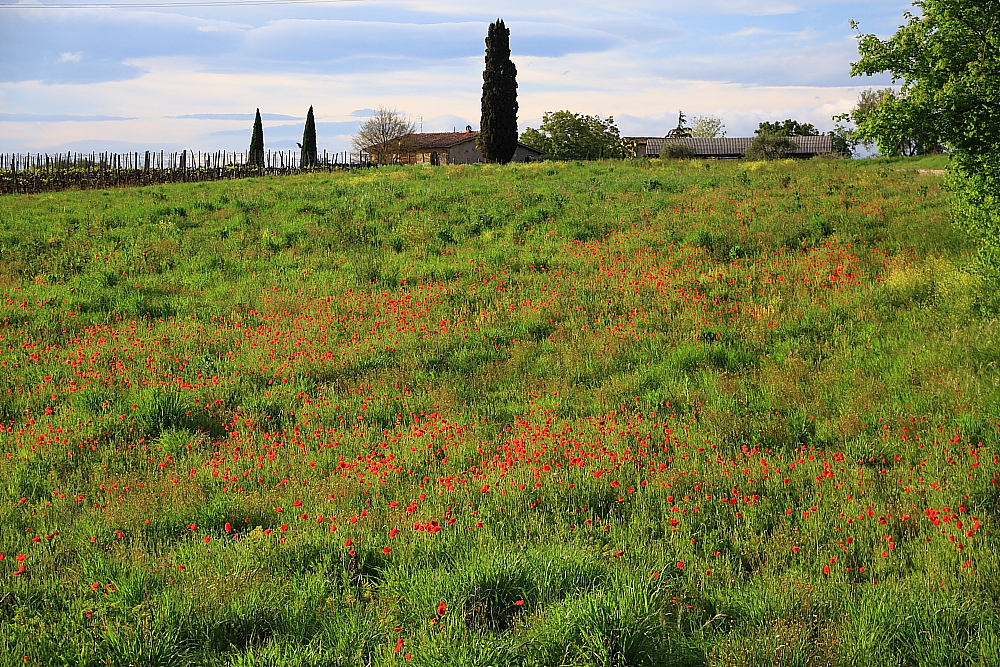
638 60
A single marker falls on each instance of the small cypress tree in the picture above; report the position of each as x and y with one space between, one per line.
257 143
309 156
498 127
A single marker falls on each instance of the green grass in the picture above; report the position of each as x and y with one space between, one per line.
616 413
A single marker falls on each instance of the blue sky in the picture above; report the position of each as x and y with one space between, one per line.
191 77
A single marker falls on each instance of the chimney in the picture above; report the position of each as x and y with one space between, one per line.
468 129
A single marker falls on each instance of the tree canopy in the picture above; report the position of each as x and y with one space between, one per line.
682 131
497 138
708 126
386 135
309 156
564 135
787 128
770 147
256 154
947 60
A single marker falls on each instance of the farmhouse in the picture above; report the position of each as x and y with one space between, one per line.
730 147
454 148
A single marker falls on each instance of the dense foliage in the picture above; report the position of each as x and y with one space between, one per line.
256 152
565 135
948 60
918 140
617 413
497 138
708 126
786 128
770 147
676 151
309 156
682 131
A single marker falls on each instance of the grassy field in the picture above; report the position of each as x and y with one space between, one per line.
621 413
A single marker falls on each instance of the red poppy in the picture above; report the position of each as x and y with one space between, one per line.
442 608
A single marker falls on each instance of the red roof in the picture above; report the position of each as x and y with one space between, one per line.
442 139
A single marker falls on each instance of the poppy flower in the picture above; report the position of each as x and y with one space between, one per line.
442 608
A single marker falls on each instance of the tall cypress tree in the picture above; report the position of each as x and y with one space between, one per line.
309 157
257 143
498 127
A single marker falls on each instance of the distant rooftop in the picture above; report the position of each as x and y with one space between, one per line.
443 139
736 146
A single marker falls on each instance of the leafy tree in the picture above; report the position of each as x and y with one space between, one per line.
308 146
565 135
256 156
918 141
788 128
948 61
846 137
682 130
497 138
386 135
770 147
708 126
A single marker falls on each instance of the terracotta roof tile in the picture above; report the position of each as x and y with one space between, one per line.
442 139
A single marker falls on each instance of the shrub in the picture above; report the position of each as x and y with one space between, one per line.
674 151
769 147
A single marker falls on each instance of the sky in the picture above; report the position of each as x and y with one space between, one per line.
134 78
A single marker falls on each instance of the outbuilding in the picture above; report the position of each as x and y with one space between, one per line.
731 147
437 148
